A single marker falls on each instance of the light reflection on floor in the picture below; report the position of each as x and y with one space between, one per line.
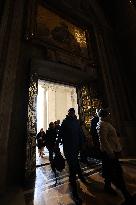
45 159
45 193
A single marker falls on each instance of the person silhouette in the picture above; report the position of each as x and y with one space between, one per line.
40 137
110 150
72 140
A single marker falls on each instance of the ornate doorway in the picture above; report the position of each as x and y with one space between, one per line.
30 166
53 101
87 103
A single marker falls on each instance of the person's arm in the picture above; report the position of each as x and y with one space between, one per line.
44 138
118 147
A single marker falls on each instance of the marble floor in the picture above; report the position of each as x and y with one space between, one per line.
45 160
45 192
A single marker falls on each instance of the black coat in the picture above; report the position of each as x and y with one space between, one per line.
71 135
51 137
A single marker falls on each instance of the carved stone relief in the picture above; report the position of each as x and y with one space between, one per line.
78 63
87 103
59 32
65 43
31 129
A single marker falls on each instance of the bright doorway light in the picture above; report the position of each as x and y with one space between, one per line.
40 108
53 102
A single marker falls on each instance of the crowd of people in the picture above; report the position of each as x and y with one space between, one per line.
76 140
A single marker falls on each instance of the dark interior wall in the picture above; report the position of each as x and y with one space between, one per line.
1 8
100 81
127 49
127 46
121 15
109 8
12 96
18 126
5 29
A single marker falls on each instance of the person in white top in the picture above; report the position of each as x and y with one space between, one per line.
109 141
110 149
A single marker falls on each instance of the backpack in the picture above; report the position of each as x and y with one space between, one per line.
58 164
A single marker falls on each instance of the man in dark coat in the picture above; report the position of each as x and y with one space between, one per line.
72 140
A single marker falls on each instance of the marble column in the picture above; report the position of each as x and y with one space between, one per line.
45 108
51 103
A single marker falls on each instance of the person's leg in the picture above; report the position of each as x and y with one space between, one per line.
74 191
74 168
39 151
42 149
50 155
106 171
51 159
118 179
72 171
79 171
72 177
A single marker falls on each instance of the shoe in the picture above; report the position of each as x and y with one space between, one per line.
74 192
110 190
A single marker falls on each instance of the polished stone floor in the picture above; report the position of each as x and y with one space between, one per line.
45 192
